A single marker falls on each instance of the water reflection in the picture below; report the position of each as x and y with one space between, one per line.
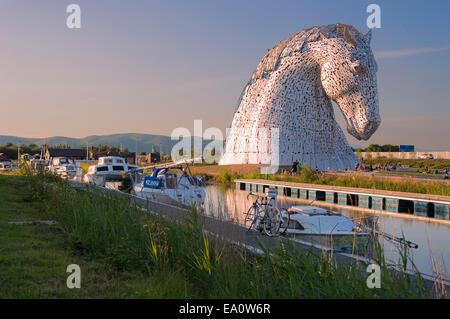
433 254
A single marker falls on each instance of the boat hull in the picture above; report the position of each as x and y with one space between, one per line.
173 198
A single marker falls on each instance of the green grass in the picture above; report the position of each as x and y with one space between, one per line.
126 253
34 258
419 164
413 174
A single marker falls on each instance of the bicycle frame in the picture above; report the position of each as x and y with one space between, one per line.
261 204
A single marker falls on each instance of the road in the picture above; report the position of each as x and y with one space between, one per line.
382 174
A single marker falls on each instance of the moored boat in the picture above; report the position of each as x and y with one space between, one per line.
170 183
329 229
312 220
63 166
109 168
6 166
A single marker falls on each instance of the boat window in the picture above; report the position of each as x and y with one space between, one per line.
119 161
102 169
118 168
108 161
171 181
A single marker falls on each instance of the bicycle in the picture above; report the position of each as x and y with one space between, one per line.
263 215
285 221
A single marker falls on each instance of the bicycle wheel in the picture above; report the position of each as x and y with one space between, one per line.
251 216
272 221
285 219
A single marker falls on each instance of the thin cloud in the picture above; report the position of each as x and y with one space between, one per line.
407 52
413 118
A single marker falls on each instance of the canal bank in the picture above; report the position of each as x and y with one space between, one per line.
432 207
222 221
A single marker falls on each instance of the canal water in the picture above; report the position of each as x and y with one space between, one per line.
431 257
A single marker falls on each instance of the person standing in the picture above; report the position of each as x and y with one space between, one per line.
294 167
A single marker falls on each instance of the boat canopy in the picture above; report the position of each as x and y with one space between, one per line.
309 210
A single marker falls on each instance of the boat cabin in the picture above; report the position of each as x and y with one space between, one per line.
110 165
111 160
58 161
310 211
5 166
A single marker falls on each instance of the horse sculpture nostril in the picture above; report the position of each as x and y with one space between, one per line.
369 128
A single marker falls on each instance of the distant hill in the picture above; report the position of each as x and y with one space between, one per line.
128 140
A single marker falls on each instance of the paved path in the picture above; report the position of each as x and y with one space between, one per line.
437 177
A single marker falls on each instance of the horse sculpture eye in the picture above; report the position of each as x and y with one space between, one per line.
358 67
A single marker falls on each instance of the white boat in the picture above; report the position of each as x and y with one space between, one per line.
169 183
63 167
40 164
312 220
109 168
67 171
6 166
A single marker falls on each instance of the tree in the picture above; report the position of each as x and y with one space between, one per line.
10 150
374 148
359 154
390 148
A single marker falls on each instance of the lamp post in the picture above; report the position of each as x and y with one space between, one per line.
136 155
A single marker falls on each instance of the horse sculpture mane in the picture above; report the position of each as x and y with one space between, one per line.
291 91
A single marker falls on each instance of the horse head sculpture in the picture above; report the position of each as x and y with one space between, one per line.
348 74
291 91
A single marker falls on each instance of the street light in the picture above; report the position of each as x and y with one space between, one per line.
136 155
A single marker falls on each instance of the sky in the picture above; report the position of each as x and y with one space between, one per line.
152 66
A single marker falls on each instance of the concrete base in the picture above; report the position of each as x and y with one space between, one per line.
442 211
392 205
377 203
331 197
365 201
342 199
303 194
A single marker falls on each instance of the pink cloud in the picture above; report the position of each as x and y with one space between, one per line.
407 52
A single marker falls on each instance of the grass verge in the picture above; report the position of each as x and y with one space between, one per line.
124 252
400 184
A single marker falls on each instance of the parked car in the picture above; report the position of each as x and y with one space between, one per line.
426 156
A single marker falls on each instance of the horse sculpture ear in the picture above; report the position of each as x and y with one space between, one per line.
349 38
342 29
368 36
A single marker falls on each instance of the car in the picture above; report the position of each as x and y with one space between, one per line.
426 156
